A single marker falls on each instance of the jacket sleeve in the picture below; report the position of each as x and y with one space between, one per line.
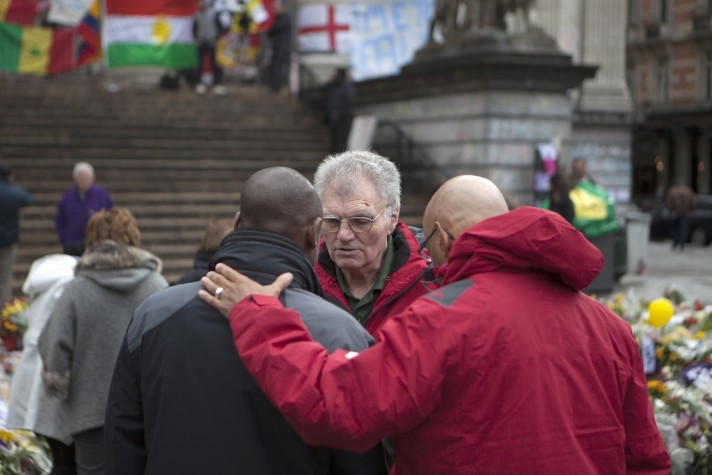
645 451
345 400
125 443
56 347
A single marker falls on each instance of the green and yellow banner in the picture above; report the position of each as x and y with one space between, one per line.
35 50
594 210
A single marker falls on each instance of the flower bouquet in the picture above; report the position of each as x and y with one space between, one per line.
675 337
22 453
13 323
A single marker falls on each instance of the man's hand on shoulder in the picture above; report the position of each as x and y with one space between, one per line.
224 287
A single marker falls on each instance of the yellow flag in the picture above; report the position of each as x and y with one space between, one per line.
34 50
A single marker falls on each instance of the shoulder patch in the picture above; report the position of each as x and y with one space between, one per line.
448 294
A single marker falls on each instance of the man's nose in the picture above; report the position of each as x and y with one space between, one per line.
345 233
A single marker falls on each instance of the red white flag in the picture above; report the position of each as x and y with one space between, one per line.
324 28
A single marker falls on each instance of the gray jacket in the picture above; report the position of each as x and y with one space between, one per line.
80 343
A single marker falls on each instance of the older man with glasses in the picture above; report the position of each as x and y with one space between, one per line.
369 263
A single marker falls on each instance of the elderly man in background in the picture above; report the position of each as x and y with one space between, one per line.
75 208
369 262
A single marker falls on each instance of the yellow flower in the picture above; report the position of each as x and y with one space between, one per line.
659 352
657 386
699 335
7 436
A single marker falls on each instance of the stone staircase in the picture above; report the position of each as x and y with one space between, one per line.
174 158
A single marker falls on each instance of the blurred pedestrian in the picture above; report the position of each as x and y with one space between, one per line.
214 233
29 407
207 29
680 200
340 97
12 198
559 200
81 341
280 36
77 205
579 172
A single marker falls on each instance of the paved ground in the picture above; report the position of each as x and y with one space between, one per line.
690 271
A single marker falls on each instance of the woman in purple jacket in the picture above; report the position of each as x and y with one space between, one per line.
76 207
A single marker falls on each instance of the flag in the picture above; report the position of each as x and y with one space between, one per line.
68 12
324 27
89 49
36 50
149 32
18 12
379 36
385 34
595 210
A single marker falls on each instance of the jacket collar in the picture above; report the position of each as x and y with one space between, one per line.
264 255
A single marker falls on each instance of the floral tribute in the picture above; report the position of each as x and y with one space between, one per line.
13 323
22 453
677 356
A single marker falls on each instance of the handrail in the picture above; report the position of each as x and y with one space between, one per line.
414 162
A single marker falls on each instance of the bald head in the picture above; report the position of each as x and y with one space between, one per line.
460 203
280 200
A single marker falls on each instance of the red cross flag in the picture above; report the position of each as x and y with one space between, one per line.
324 27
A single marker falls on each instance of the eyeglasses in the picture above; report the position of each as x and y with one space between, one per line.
423 246
358 224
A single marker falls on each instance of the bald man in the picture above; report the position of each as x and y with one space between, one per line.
182 402
506 368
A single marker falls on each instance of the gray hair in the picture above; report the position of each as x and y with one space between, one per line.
82 167
341 171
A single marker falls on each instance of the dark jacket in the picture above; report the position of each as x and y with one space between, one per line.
200 268
181 401
12 198
506 369
403 285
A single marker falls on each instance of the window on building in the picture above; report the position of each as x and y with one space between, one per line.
631 80
663 11
662 82
706 76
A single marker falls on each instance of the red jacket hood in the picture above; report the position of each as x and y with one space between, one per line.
528 239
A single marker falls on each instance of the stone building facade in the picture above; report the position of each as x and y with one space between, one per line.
669 70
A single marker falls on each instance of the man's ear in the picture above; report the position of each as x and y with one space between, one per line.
394 219
314 233
444 241
237 220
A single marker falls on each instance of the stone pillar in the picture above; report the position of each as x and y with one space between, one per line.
604 44
563 20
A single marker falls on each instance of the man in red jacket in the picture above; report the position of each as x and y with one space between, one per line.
369 262
506 368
